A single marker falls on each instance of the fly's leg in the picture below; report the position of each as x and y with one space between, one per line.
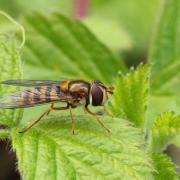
35 122
108 112
70 107
95 115
51 107
44 114
72 118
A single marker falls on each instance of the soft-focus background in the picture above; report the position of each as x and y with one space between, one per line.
125 27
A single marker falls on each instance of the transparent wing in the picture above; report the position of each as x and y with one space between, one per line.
31 83
35 96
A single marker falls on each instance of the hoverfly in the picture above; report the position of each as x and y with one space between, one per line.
72 92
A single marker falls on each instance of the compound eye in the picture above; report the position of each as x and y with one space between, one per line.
97 95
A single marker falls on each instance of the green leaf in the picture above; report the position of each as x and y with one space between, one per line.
19 8
166 128
165 58
110 33
159 104
165 50
50 151
136 17
4 133
176 141
10 69
68 48
165 168
130 96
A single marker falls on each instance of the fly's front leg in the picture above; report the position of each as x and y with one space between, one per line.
95 115
106 110
50 108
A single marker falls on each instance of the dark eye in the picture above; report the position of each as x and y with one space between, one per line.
98 83
97 95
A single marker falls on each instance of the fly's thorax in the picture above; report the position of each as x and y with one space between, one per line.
79 90
98 95
80 102
79 87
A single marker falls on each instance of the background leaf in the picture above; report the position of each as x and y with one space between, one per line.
166 128
176 141
50 150
165 58
165 50
18 8
130 96
135 17
158 104
130 15
71 50
110 33
166 169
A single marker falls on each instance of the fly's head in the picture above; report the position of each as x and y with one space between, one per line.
99 93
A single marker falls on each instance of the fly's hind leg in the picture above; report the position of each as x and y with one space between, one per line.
44 114
95 115
35 122
51 107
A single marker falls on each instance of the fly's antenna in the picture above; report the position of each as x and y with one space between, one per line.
110 90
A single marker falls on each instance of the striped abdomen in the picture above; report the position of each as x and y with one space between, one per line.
38 95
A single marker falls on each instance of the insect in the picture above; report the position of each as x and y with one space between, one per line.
72 92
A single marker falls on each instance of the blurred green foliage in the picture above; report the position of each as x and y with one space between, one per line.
164 55
136 18
165 128
110 33
75 51
17 8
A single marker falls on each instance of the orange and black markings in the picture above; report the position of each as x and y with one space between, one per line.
39 95
64 86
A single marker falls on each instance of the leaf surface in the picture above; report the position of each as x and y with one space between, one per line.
50 150
10 69
130 96
166 128
165 168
